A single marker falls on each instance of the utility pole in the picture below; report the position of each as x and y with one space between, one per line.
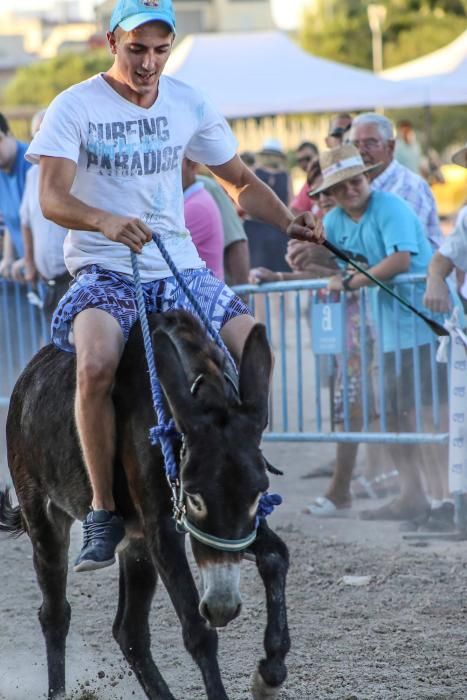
376 18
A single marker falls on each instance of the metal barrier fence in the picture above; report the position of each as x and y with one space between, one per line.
23 330
301 398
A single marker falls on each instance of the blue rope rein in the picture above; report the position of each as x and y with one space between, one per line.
267 503
191 298
165 430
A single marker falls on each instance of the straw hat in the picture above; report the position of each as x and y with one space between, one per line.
460 157
340 164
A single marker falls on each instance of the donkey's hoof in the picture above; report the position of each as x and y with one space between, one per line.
260 690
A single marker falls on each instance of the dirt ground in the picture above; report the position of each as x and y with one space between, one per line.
402 636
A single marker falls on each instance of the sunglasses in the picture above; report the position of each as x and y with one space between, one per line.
340 130
325 193
304 159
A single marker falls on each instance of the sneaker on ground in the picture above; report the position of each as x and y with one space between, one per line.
102 532
441 518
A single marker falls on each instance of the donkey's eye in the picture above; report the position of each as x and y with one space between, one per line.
196 503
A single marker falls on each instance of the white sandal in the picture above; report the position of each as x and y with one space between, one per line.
323 507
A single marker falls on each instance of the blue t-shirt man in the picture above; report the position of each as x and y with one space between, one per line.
388 226
12 184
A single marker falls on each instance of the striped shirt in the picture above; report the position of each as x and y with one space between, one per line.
398 179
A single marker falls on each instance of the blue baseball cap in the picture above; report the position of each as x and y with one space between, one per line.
129 14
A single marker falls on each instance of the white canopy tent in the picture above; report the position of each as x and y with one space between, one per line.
440 78
264 73
440 62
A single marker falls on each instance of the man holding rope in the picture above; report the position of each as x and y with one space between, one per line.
110 151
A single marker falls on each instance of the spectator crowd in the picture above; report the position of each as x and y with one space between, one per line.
367 189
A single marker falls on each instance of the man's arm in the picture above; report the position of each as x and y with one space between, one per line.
30 271
8 257
437 292
24 270
386 269
260 202
237 263
58 205
301 256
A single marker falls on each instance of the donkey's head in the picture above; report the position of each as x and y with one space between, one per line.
222 470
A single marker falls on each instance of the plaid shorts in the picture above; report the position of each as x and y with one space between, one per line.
96 288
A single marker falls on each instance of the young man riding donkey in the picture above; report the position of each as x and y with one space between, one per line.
111 151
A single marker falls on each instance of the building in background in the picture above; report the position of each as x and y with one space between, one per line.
43 35
12 57
195 16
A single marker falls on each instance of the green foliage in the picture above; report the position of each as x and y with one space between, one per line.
39 83
438 127
412 36
340 31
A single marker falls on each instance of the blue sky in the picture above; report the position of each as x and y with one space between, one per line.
285 13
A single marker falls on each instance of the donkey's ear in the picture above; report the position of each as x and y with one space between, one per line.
255 371
174 382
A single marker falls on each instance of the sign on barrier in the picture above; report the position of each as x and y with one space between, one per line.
457 409
327 333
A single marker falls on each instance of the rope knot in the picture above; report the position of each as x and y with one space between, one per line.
163 430
267 503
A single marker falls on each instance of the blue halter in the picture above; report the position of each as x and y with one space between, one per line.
165 429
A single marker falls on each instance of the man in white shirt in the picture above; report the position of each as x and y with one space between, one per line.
452 253
110 152
42 240
373 135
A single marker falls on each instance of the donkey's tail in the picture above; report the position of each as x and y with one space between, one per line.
10 516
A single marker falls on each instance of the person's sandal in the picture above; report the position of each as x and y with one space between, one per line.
323 507
441 519
415 524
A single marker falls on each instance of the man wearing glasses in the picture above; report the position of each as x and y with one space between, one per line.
374 137
339 128
305 153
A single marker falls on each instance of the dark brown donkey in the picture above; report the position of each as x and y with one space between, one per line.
223 474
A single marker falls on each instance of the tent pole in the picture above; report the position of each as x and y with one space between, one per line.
427 122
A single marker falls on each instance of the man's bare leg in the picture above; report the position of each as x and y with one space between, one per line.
235 332
412 502
99 345
339 488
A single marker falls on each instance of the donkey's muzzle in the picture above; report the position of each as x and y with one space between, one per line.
221 602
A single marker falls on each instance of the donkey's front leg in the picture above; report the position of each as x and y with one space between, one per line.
199 639
272 560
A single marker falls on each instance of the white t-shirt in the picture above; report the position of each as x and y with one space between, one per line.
47 236
455 246
129 163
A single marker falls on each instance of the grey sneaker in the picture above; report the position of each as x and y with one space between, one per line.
102 532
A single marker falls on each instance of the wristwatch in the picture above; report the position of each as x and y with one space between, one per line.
346 281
